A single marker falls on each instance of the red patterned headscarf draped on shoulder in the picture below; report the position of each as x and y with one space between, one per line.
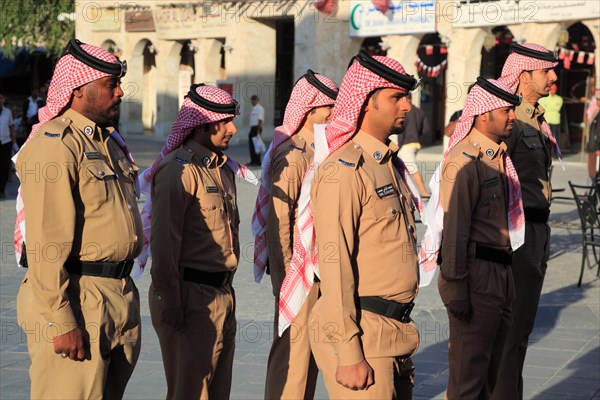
80 64
190 116
365 75
306 95
529 57
479 101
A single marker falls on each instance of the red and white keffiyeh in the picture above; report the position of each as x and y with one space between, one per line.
357 85
478 102
69 74
303 99
514 67
190 116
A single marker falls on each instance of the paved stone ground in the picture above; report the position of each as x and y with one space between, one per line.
563 361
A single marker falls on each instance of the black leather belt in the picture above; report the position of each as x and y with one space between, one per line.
539 215
216 279
387 308
493 255
115 270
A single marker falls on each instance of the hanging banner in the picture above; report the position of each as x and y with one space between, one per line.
469 14
402 17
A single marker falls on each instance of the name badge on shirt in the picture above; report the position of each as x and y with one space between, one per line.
212 189
491 181
93 155
384 191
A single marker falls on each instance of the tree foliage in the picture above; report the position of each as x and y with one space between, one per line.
33 23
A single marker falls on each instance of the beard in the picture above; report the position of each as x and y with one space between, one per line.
396 130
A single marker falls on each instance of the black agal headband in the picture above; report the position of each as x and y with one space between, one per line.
74 48
407 82
499 93
320 86
540 55
231 108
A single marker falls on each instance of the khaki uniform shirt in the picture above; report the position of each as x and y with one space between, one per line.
289 163
473 194
80 202
531 152
365 233
195 218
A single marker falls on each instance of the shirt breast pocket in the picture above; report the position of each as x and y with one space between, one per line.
97 181
127 168
491 196
386 215
531 141
210 206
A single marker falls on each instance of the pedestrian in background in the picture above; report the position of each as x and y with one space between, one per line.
8 141
257 119
415 126
552 105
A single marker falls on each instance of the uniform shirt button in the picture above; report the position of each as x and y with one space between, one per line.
129 206
100 172
411 229
49 323
135 237
394 211
159 297
214 207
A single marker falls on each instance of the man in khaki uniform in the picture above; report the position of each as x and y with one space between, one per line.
361 334
195 247
475 281
291 369
529 70
77 304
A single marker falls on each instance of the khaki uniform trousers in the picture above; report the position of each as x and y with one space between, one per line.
475 347
109 312
291 370
198 357
393 376
529 270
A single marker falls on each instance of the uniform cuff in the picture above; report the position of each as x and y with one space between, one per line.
350 353
60 322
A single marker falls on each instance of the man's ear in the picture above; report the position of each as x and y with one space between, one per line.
78 92
524 77
484 117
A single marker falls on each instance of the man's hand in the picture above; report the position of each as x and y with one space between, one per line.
71 344
173 317
355 377
461 309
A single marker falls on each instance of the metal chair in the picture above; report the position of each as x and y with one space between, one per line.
587 200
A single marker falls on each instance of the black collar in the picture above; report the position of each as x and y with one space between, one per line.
232 108
74 48
496 91
527 52
407 82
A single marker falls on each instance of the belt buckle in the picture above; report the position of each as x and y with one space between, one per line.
406 312
124 269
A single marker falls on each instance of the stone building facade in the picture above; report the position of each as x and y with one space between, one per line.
262 46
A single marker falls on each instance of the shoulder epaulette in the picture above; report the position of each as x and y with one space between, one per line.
184 155
349 155
56 127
